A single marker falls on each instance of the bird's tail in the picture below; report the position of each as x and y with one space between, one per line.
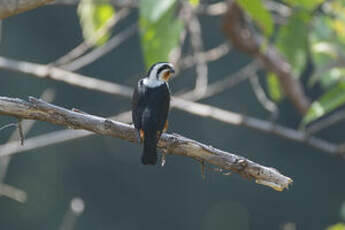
150 149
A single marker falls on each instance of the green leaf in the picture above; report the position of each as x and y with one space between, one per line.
194 3
259 13
93 16
153 10
331 100
324 55
161 36
338 226
274 89
292 41
307 4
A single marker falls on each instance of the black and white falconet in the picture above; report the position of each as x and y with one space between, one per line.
150 107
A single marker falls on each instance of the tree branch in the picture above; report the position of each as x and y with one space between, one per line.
243 38
45 71
37 109
199 109
326 122
83 47
9 8
99 52
201 68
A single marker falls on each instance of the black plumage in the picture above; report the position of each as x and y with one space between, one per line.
150 107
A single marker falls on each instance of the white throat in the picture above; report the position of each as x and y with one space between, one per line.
152 83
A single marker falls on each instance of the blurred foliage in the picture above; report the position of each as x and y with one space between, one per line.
159 29
338 226
317 24
93 16
332 99
194 2
274 89
307 4
328 45
259 13
292 40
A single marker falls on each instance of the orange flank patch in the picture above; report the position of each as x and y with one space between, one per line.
141 134
165 128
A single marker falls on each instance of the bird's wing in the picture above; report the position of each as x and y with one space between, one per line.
138 104
165 106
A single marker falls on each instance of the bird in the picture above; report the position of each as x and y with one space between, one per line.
150 108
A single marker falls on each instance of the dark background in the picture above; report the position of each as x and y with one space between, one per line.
119 192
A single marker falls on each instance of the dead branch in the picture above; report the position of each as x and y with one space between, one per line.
36 109
25 127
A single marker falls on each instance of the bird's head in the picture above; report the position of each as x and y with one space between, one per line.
161 71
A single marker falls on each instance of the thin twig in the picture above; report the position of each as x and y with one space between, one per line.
8 126
201 82
102 50
260 94
20 132
173 144
326 122
208 55
12 193
87 44
175 54
229 81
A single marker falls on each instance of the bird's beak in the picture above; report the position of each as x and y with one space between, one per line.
167 75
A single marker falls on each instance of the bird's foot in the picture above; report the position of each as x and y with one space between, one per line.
163 159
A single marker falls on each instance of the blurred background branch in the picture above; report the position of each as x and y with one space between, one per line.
198 109
9 8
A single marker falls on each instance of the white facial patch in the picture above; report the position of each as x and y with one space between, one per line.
153 73
152 83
